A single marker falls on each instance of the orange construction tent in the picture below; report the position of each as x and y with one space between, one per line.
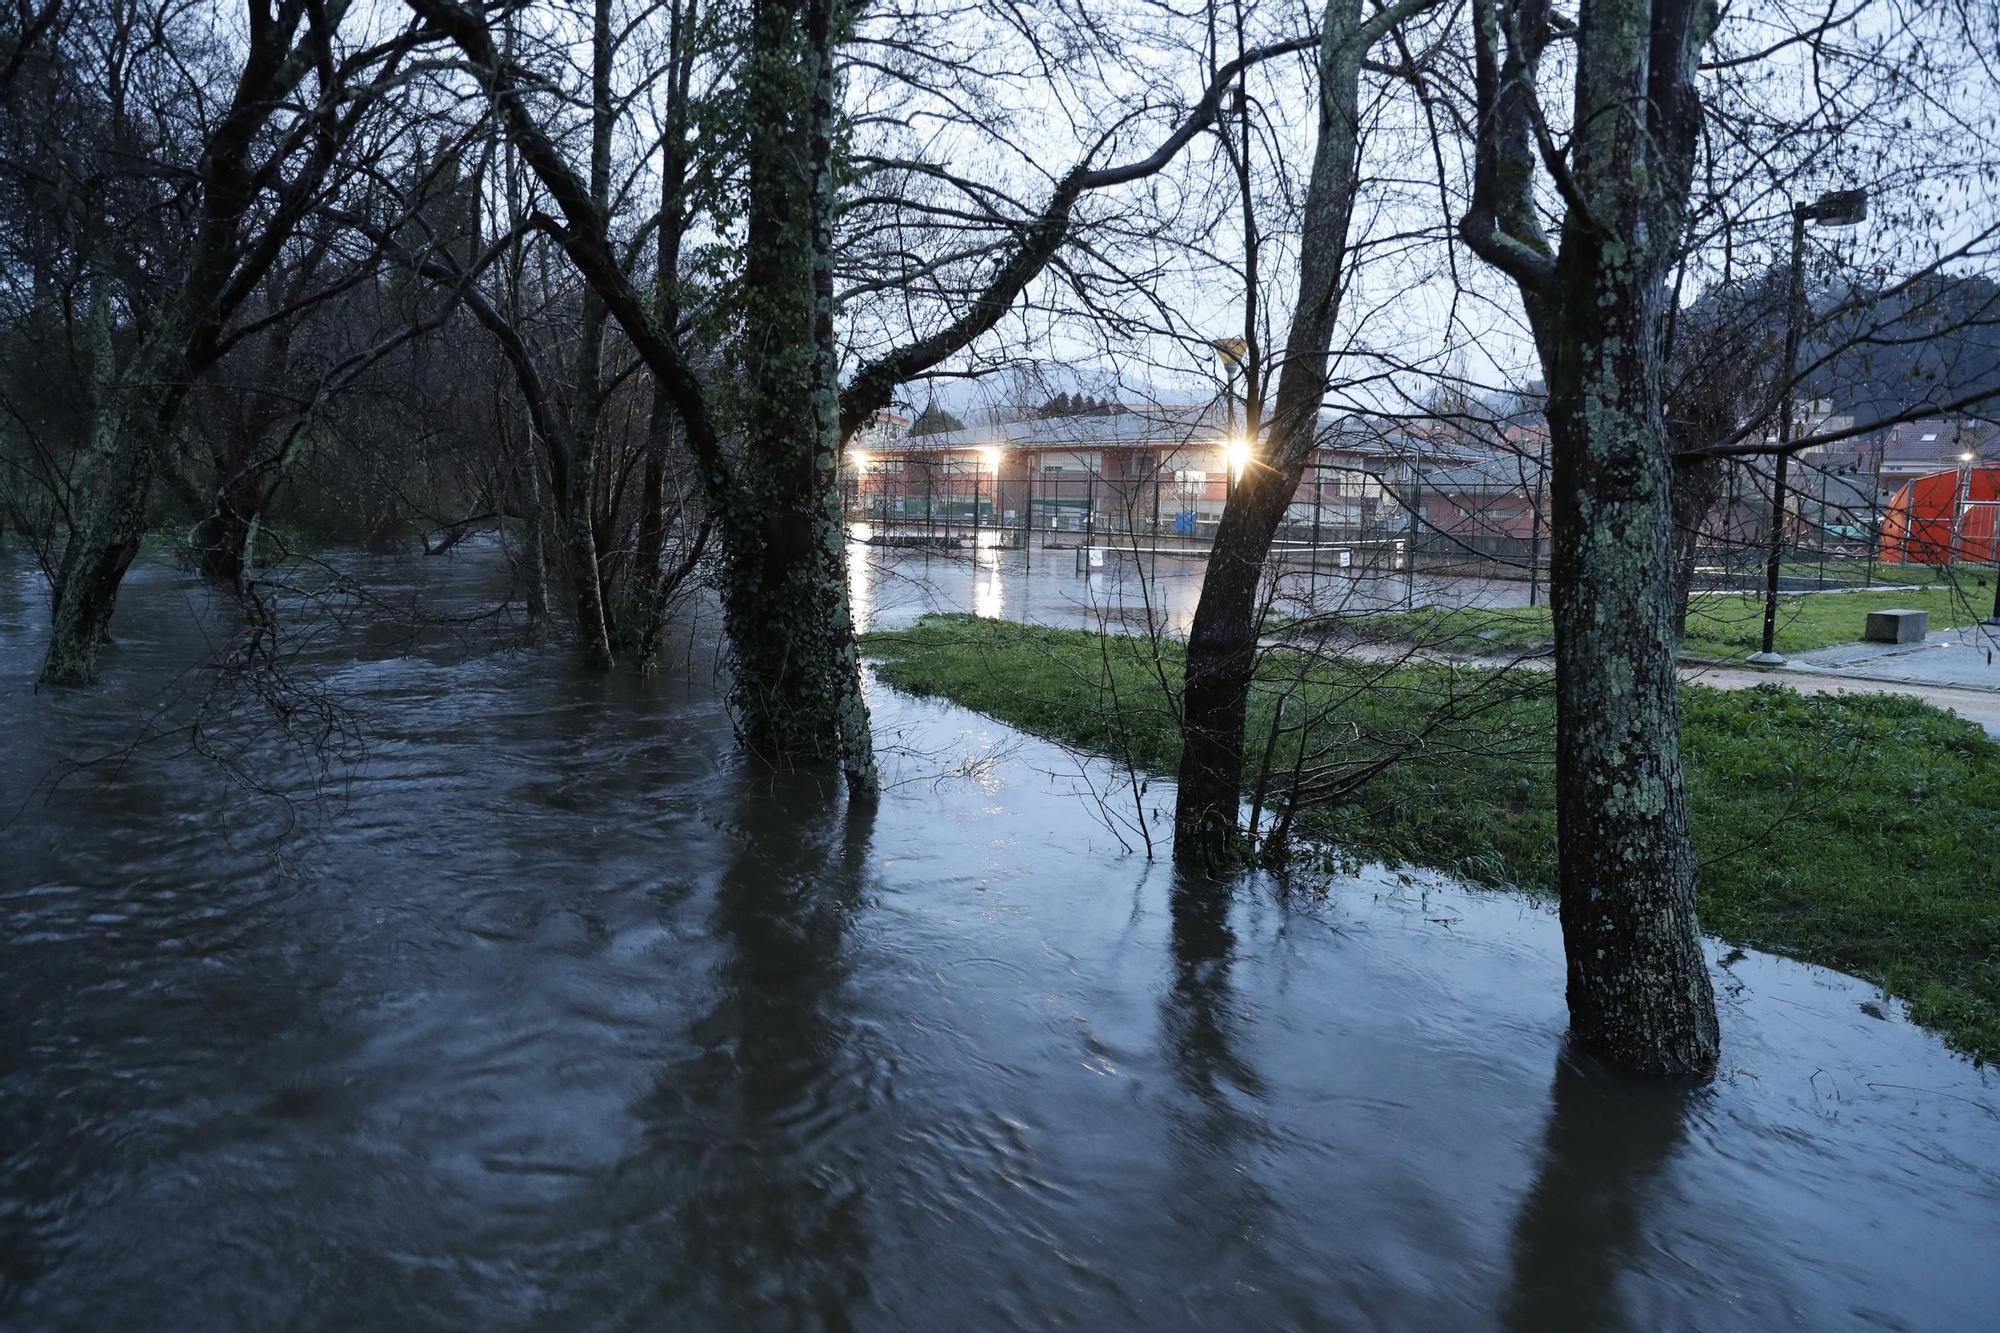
1944 518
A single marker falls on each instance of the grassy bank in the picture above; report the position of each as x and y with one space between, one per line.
1861 832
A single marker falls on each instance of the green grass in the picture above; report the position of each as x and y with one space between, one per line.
1720 625
1859 832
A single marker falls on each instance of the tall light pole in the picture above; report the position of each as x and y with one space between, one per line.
1230 354
1835 208
1993 539
1959 501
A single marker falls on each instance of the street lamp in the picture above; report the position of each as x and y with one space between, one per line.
1966 462
1835 208
858 460
985 459
1237 454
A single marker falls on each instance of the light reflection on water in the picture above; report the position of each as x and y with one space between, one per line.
890 587
560 1015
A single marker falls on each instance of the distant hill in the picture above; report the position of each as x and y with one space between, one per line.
1933 343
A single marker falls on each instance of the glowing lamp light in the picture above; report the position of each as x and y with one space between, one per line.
1237 453
859 458
989 458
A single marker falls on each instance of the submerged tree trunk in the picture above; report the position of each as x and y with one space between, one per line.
219 538
776 509
111 517
1638 984
647 607
1639 990
577 498
534 534
1222 641
652 588
225 261
797 688
100 550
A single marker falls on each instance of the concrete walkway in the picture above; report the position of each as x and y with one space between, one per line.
1950 670
1957 669
1968 657
1977 704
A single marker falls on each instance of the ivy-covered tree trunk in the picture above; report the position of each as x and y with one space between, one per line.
111 517
797 688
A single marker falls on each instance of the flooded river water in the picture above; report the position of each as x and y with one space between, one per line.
549 1011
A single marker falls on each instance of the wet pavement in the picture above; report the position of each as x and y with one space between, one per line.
1964 658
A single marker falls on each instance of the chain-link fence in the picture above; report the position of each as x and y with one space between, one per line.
1342 515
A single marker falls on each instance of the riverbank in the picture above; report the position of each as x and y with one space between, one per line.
1854 831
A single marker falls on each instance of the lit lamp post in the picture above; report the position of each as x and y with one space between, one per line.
1235 457
1960 502
858 460
986 459
1835 208
1230 354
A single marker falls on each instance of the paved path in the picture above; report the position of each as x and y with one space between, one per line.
1957 669
1957 681
1973 703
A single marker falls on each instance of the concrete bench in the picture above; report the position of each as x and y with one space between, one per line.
1897 626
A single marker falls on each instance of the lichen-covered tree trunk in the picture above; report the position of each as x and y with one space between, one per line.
224 264
1638 988
116 480
100 550
797 687
1639 991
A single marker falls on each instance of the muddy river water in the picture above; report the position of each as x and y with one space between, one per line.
539 1007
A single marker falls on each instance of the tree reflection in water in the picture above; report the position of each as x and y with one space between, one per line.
1607 1142
769 1116
1218 1126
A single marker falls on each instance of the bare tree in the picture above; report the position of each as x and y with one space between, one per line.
774 496
1222 643
296 101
